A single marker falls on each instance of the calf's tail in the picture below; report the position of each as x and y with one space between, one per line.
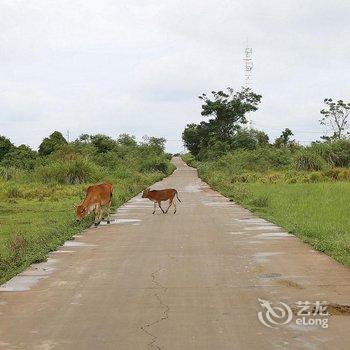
177 196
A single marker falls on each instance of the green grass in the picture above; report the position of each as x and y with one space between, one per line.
318 213
36 218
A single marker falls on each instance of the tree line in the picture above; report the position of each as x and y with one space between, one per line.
227 130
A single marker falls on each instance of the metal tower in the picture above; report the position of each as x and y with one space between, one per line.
248 70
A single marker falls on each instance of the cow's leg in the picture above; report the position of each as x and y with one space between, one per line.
154 207
109 213
174 207
170 203
98 214
161 207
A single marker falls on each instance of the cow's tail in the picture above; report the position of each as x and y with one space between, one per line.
177 196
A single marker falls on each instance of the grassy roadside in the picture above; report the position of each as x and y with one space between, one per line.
35 218
318 213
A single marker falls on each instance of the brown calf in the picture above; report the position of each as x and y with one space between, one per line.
98 197
156 196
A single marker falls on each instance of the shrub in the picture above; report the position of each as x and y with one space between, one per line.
155 164
344 175
336 152
308 161
6 173
259 160
71 172
316 177
13 192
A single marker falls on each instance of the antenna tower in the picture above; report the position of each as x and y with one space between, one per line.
248 70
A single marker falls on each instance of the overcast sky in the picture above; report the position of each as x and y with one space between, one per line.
110 66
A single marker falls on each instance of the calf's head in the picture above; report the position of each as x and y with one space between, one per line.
145 193
80 212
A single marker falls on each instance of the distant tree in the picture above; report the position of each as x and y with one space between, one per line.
229 110
5 146
86 138
192 137
244 139
156 143
52 143
284 139
127 140
102 143
261 137
22 157
336 115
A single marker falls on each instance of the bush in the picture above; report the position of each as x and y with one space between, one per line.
336 153
160 164
13 192
308 161
7 174
316 177
71 172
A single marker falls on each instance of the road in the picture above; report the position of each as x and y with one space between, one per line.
186 281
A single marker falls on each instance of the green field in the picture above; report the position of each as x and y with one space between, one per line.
39 189
318 213
30 228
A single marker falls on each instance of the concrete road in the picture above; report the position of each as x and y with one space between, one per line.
187 281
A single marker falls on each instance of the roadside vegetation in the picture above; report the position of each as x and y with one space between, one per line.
38 189
306 190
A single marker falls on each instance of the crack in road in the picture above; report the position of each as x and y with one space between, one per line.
165 316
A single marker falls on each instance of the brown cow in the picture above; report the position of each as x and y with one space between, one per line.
156 196
98 197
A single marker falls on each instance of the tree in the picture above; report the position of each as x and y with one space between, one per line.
284 139
155 143
192 137
244 139
5 146
103 143
127 140
22 157
86 138
52 143
261 137
229 110
336 115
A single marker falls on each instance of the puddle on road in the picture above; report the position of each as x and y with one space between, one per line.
77 244
254 221
262 257
272 235
266 227
217 204
192 188
119 221
29 277
63 251
271 275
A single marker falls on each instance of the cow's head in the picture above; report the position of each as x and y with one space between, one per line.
80 212
145 193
